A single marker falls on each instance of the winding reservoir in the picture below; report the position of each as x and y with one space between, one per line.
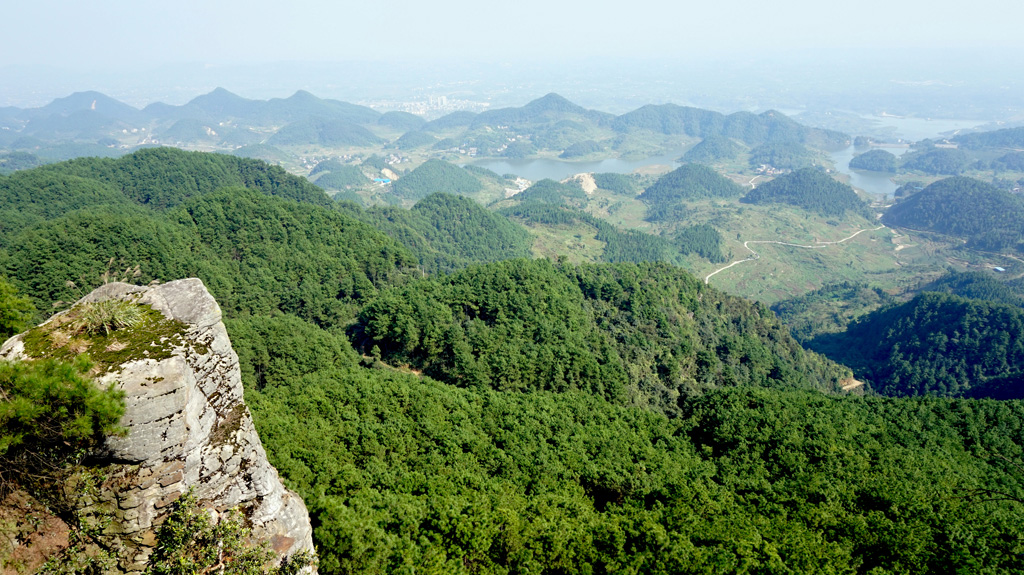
538 169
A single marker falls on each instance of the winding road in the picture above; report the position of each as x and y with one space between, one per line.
754 255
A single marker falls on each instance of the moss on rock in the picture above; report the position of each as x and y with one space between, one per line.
150 336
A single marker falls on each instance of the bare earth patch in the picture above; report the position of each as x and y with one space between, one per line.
850 384
29 534
586 182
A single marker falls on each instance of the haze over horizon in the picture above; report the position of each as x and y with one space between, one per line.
720 55
118 33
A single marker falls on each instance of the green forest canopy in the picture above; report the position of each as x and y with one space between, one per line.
712 149
875 160
935 344
447 232
401 471
530 325
705 444
691 182
810 189
436 176
989 218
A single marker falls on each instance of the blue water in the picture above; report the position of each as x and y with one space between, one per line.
538 169
871 182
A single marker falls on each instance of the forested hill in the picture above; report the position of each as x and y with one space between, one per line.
153 178
165 177
258 254
548 191
711 149
690 182
324 132
812 190
935 344
749 128
978 285
604 418
162 214
647 334
875 160
1005 138
436 176
447 232
547 109
989 218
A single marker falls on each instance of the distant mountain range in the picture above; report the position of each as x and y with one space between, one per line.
221 119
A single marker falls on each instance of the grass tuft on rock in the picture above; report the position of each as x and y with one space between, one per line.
106 316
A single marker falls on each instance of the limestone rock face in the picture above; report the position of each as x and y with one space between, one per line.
188 427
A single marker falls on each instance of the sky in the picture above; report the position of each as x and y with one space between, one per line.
109 34
726 55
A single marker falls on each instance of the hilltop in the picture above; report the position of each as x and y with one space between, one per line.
989 218
810 189
936 344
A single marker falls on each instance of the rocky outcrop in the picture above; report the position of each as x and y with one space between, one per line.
188 427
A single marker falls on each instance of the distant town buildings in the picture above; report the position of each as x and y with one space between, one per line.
767 170
432 107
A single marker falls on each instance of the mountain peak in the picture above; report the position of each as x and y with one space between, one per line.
554 103
303 95
219 94
89 100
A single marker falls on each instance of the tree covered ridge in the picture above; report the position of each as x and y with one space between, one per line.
166 177
810 189
690 182
646 334
989 218
876 160
752 129
980 286
448 232
1004 138
256 253
605 418
549 191
156 178
936 344
435 176
711 149
401 471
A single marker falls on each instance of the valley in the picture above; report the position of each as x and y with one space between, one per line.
551 339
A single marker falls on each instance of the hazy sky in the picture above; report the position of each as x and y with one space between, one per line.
112 33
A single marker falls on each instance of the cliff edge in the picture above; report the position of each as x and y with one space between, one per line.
187 424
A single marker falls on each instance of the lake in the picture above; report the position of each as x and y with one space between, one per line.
871 182
538 169
915 129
